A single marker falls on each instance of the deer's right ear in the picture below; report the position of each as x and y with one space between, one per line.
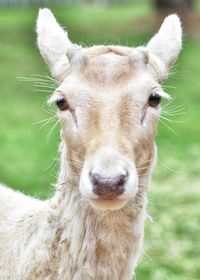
53 43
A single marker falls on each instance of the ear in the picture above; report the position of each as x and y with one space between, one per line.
167 43
53 43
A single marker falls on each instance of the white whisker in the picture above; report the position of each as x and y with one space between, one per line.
171 129
169 168
51 131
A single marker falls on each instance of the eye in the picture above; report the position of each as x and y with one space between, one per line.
62 104
154 100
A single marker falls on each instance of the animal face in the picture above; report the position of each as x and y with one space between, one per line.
108 106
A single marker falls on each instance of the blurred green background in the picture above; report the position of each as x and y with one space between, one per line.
28 146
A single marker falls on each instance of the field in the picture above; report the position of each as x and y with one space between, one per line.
28 148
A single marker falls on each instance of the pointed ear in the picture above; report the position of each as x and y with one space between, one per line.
167 43
53 43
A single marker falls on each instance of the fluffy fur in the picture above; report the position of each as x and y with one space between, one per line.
73 235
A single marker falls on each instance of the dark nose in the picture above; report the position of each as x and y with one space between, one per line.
108 187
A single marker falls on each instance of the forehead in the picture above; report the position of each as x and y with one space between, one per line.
107 71
106 66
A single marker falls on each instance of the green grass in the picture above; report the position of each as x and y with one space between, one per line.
172 244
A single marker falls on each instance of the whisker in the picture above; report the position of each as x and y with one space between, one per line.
166 86
52 162
41 82
42 90
168 120
44 120
44 86
169 102
35 80
172 114
172 106
51 131
45 123
76 163
147 161
173 110
47 77
171 129
50 110
170 169
148 257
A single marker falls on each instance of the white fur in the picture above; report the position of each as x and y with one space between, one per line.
66 237
167 43
53 42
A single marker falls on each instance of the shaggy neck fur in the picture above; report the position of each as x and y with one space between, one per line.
98 244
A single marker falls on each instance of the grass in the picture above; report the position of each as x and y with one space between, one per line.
172 245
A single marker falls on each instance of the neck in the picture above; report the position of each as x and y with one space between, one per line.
97 244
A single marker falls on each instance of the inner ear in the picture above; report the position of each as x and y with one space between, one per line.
53 43
61 68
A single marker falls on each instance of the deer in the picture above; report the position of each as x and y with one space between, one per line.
108 105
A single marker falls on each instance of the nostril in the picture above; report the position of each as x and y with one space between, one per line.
108 187
95 178
121 180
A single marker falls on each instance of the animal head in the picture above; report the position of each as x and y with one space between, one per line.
108 106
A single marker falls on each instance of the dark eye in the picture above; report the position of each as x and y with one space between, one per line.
154 100
62 104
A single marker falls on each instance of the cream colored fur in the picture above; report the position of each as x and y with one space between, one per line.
74 235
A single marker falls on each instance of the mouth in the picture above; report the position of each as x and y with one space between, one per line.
103 204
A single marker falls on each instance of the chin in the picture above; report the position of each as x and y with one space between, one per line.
111 204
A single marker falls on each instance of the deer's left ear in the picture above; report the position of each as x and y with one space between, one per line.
167 43
53 43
